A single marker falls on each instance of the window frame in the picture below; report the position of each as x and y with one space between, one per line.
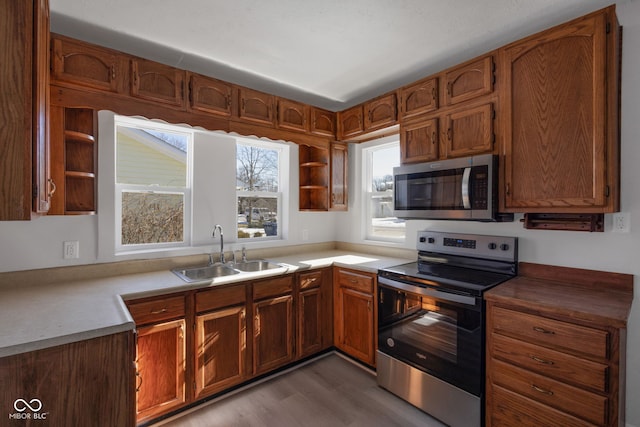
186 191
369 194
282 163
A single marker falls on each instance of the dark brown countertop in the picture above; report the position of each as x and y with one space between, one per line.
588 295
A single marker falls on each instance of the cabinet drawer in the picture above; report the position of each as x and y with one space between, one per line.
157 310
572 400
220 297
353 280
310 280
272 287
552 333
515 410
549 362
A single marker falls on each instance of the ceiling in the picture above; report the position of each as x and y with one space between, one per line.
328 53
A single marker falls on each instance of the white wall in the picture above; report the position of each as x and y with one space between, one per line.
606 251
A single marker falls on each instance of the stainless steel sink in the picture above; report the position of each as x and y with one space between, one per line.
255 265
203 273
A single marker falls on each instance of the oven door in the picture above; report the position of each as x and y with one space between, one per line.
432 330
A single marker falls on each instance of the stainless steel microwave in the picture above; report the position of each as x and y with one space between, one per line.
461 189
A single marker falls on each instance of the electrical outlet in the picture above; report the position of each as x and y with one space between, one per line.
621 222
71 250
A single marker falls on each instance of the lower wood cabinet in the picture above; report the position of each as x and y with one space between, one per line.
354 314
314 312
555 351
273 324
160 355
88 382
221 339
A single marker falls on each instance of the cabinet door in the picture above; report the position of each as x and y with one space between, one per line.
309 322
468 81
555 120
339 162
419 141
381 112
355 332
419 98
221 342
350 122
43 185
87 65
468 131
292 115
157 82
256 107
323 122
160 369
273 333
210 95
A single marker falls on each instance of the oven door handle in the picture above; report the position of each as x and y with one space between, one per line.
466 200
429 292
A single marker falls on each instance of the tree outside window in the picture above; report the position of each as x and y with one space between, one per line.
258 192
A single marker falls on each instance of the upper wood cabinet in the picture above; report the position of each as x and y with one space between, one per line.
157 82
468 81
210 95
561 128
350 122
323 122
468 131
293 115
419 98
419 141
314 165
381 112
24 79
256 107
82 64
339 173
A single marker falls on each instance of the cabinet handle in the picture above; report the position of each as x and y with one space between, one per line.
449 88
433 93
543 331
369 305
113 72
228 101
52 187
135 79
140 383
543 361
433 137
542 390
449 133
162 310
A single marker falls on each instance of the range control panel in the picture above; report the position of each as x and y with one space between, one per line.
501 248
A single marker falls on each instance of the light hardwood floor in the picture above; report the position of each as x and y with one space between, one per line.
328 392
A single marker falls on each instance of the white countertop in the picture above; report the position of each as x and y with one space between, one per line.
44 315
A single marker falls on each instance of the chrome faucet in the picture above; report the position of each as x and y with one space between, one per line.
218 226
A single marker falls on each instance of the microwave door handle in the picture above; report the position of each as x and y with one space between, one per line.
466 176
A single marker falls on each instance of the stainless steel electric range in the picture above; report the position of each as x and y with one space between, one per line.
431 322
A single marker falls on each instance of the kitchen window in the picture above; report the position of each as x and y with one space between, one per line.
379 161
258 189
152 185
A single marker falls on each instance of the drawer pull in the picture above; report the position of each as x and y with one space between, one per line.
542 390
545 362
140 383
162 310
543 331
